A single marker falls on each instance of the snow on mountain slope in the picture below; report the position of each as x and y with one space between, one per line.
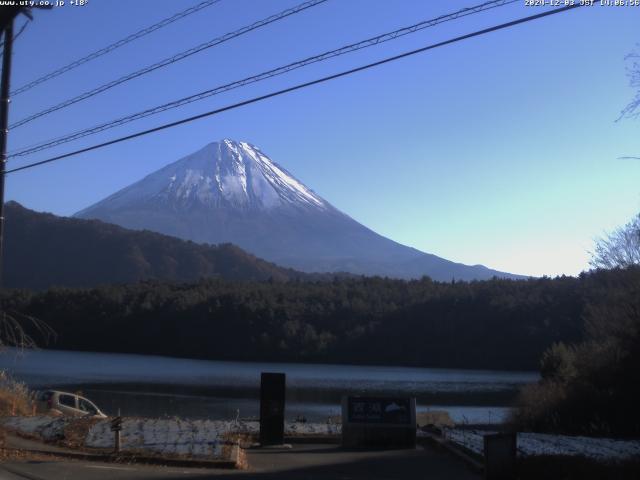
226 173
232 192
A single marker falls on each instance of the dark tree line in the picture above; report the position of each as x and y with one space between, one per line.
502 324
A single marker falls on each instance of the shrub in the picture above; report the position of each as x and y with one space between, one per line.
593 387
15 397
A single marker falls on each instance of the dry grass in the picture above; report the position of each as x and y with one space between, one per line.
75 433
15 398
435 418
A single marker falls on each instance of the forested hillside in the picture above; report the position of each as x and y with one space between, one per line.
503 324
43 250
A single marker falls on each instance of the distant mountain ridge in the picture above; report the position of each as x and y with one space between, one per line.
44 250
231 192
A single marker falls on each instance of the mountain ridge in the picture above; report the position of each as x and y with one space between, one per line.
232 192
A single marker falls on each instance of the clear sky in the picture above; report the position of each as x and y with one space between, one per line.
501 150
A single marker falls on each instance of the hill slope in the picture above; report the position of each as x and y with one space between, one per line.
42 250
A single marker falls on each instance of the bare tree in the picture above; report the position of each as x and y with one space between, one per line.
621 248
18 329
14 334
632 110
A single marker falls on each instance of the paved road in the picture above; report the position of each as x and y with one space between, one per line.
301 462
13 441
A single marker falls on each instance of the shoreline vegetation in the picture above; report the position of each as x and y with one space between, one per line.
592 387
495 324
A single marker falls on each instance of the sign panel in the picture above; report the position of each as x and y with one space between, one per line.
379 410
272 401
388 422
116 424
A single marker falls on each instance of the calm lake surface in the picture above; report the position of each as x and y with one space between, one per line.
142 385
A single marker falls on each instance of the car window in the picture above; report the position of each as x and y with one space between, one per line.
87 406
67 400
45 396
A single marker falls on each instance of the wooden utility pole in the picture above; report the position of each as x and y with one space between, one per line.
4 121
7 16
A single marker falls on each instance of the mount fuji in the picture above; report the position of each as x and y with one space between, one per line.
232 192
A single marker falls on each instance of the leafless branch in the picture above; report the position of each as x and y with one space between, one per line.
632 110
621 248
15 328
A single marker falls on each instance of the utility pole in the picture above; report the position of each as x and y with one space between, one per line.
7 16
4 123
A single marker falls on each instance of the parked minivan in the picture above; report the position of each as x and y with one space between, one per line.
67 404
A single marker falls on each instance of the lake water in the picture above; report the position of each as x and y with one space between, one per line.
142 385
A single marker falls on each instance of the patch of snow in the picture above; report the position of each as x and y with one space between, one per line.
290 428
533 444
234 172
297 428
200 438
280 179
172 436
44 426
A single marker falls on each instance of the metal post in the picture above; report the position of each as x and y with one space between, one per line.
272 402
116 426
4 125
500 456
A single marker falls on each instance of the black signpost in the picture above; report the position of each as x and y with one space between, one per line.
500 451
272 400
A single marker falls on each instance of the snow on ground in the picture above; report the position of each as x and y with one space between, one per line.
170 436
532 444
296 428
198 438
205 438
46 427
290 428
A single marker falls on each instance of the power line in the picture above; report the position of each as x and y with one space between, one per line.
299 86
115 45
47 144
15 37
168 61
22 28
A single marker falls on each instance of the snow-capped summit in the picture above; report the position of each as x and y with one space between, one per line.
232 192
224 173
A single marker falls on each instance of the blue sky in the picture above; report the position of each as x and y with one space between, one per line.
501 150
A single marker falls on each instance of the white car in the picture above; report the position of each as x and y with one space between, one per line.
66 404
